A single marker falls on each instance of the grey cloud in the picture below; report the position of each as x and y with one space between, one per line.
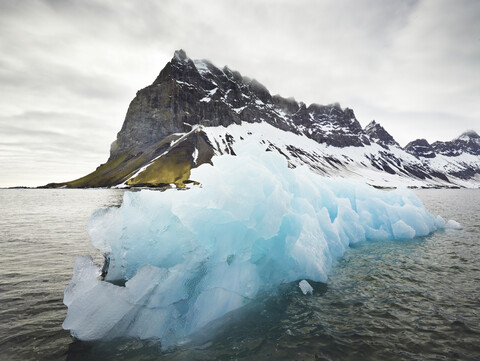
71 65
37 148
37 136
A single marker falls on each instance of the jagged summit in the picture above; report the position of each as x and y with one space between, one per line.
468 135
180 55
195 92
379 135
420 148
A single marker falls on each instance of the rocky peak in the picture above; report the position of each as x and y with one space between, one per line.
189 92
288 105
467 142
180 68
420 148
468 136
180 56
379 135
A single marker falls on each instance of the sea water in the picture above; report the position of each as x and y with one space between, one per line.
415 299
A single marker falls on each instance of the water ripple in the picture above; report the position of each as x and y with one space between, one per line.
410 300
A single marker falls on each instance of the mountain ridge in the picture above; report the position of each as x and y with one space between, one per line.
170 119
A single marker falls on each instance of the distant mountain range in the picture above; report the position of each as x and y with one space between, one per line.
194 111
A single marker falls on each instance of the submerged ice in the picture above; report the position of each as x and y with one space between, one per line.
180 259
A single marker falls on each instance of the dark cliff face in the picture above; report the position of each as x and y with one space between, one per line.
379 135
189 92
420 148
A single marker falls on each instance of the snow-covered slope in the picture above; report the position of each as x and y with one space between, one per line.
379 165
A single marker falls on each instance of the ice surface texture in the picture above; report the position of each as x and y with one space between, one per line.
305 287
189 257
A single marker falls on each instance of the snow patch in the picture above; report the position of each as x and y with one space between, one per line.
195 156
239 110
201 67
207 98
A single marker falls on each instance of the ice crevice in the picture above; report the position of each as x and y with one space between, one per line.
189 257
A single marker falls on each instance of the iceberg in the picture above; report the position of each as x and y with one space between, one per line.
180 259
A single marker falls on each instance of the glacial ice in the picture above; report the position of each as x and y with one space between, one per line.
453 224
180 259
305 287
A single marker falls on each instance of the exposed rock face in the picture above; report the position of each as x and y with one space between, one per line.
420 148
379 135
188 92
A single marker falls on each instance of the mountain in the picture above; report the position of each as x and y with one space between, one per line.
420 148
468 142
379 135
194 111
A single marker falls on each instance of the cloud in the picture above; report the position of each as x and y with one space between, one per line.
71 65
51 147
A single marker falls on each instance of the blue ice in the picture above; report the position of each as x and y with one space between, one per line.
189 257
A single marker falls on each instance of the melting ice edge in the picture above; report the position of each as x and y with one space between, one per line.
190 257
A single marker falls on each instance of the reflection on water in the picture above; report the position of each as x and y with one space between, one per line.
415 299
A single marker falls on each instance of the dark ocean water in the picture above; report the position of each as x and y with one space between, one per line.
389 300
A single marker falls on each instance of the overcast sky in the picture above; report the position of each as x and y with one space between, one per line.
69 69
